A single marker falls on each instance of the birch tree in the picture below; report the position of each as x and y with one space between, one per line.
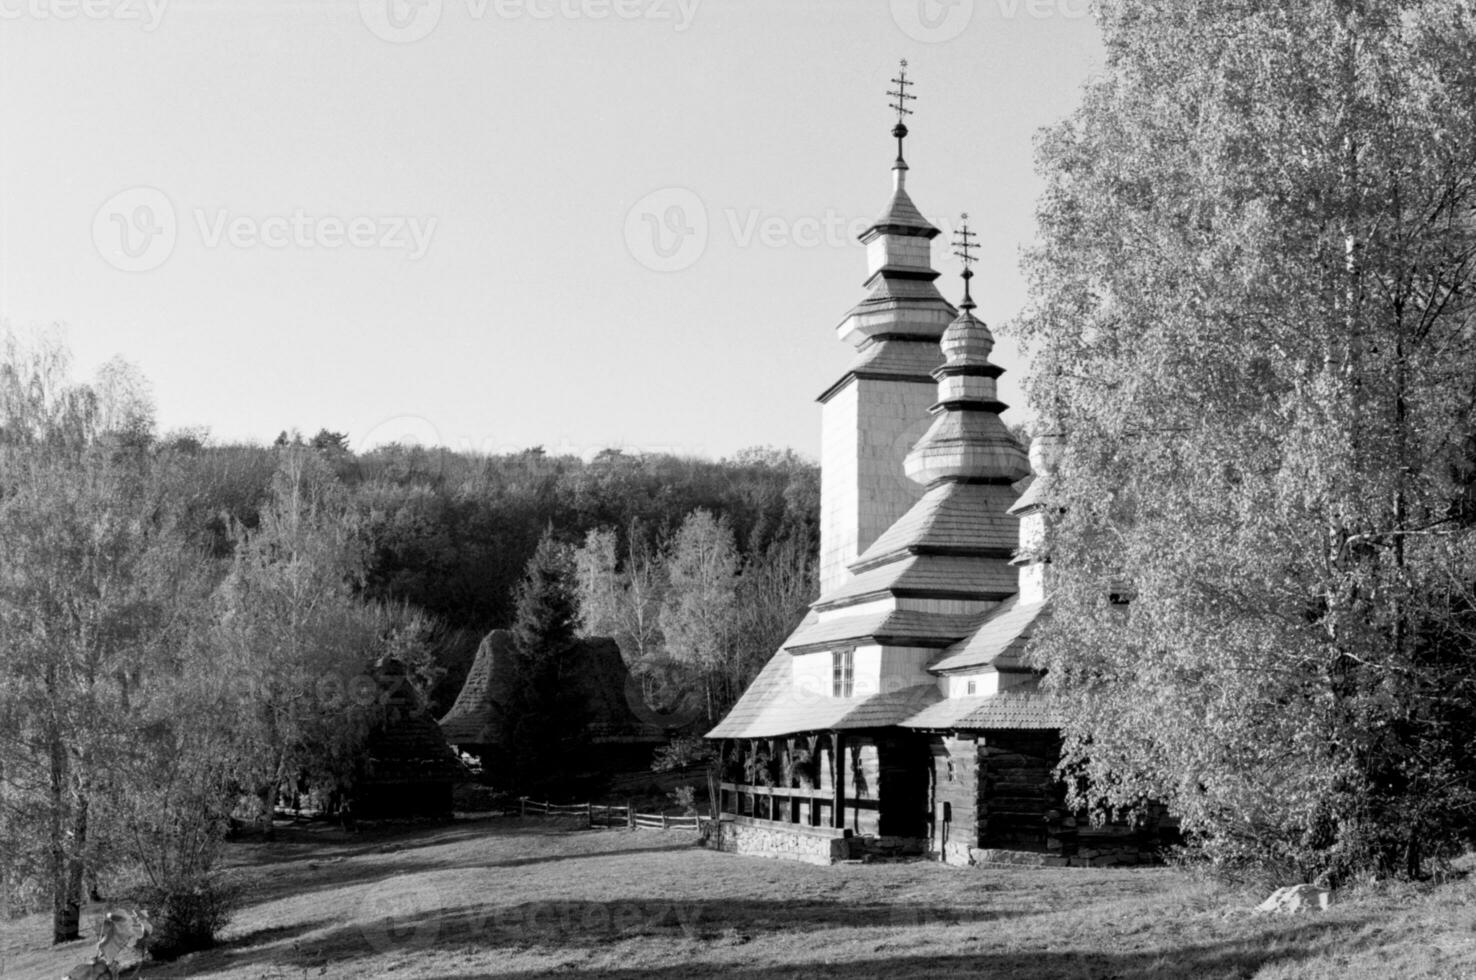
698 615
621 600
98 587
1251 317
295 640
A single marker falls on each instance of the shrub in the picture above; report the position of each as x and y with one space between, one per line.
686 798
187 916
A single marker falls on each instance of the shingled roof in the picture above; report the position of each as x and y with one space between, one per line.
902 215
948 517
405 743
773 705
935 576
472 719
599 674
770 685
912 359
1018 709
1033 495
897 627
1000 641
937 591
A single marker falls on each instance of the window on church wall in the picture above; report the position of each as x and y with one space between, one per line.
971 687
842 673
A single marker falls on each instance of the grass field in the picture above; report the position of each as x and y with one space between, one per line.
502 898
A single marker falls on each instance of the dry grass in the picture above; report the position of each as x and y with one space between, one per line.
496 898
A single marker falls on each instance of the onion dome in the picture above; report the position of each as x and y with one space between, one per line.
967 442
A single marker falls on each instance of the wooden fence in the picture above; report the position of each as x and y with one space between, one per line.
600 815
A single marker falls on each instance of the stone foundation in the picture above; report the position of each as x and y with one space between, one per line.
754 838
819 845
871 849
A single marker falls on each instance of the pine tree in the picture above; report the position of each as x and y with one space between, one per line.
544 721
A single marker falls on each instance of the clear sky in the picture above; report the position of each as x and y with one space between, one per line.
501 223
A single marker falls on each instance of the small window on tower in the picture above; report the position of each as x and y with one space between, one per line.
971 687
842 673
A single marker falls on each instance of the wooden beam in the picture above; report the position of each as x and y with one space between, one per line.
838 780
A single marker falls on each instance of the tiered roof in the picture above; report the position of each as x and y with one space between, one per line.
1001 645
941 576
1017 709
895 329
774 705
955 542
967 440
952 518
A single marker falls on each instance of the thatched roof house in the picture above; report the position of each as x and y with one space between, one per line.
600 677
410 767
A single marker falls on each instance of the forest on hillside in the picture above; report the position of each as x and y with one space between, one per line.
191 630
451 533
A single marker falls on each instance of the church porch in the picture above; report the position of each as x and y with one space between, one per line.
786 797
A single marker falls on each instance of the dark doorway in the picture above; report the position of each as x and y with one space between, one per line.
903 762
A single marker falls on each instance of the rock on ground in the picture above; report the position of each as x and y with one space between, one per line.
1297 898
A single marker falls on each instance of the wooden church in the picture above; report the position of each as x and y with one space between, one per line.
900 717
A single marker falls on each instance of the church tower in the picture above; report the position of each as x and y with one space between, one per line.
877 409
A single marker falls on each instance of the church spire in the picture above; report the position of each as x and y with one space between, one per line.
898 256
871 411
900 97
963 248
967 442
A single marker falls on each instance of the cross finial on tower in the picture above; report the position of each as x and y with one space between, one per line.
963 247
900 97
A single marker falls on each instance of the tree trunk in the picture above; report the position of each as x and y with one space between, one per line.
76 867
266 799
65 915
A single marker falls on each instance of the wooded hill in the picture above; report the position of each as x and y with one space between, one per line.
451 533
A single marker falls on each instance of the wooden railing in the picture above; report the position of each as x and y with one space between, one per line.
805 806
